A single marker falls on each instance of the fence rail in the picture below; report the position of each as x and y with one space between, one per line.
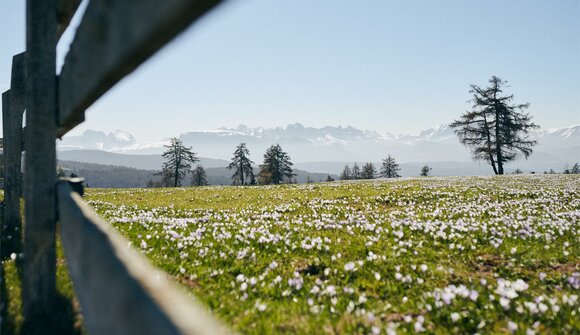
65 11
119 291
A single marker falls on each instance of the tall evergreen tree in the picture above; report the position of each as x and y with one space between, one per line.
390 168
198 176
495 129
368 171
276 167
178 161
346 174
243 165
355 172
425 170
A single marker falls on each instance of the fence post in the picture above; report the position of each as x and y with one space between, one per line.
39 276
13 107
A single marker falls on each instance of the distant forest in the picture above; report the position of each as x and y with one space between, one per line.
112 176
108 176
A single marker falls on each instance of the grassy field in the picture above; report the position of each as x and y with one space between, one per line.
435 255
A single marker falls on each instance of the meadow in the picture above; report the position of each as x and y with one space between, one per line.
434 255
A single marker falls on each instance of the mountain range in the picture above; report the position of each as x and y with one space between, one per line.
324 149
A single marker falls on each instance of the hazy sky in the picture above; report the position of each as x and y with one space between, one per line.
391 66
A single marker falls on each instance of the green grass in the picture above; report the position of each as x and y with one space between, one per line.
439 255
66 318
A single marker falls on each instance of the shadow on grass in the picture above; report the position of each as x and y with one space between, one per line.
10 244
61 321
64 318
10 239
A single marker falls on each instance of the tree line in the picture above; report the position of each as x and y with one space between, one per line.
179 160
275 169
389 169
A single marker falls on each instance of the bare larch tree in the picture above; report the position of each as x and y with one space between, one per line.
178 161
495 129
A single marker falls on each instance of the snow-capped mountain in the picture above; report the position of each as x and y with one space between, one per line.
443 133
337 144
324 135
99 140
118 141
557 137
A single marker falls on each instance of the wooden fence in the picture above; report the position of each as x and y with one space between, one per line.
118 290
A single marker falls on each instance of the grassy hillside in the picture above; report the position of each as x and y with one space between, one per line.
436 255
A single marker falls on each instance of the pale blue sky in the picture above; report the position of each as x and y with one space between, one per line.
390 66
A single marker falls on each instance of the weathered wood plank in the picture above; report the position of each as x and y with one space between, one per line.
65 11
113 39
12 111
18 79
5 128
38 285
119 291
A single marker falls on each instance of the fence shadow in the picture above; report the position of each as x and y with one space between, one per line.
61 321
10 241
64 317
